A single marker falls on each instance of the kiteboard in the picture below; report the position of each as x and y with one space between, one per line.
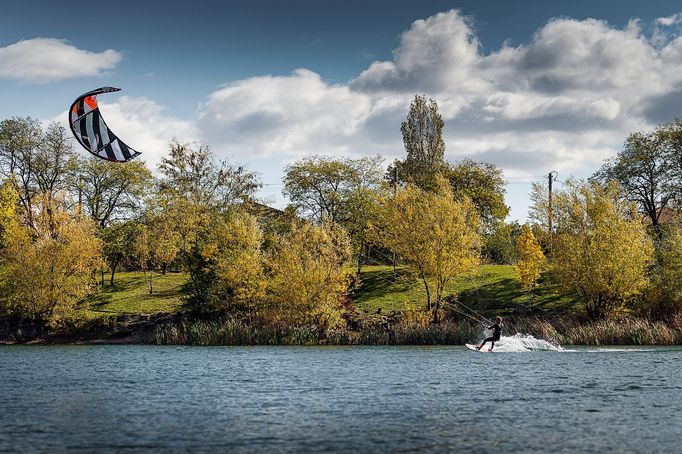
475 348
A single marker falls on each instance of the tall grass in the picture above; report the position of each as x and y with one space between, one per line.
566 331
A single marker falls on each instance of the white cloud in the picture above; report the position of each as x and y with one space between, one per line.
565 100
43 60
671 20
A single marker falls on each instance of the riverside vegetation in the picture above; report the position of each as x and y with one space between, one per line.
366 253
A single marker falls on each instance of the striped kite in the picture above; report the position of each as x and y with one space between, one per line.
92 132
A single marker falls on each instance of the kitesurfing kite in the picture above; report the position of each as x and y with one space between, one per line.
92 132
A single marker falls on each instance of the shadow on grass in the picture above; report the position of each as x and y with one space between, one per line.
376 283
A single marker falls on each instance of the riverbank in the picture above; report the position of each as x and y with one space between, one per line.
373 329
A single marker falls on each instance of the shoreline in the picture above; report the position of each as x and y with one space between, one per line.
185 329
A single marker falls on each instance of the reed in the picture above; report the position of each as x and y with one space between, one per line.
565 331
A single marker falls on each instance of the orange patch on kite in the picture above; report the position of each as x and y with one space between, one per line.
91 102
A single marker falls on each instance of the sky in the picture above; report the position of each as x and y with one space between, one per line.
531 86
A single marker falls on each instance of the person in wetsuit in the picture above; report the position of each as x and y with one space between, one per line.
497 332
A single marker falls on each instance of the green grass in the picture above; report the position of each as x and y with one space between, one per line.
130 294
490 288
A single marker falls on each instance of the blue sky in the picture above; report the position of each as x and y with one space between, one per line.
531 86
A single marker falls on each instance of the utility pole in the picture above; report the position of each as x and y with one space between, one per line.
551 177
395 191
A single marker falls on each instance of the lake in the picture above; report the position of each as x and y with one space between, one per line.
146 398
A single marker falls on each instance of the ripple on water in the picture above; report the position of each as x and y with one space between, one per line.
158 399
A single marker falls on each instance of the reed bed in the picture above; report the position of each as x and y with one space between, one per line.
564 331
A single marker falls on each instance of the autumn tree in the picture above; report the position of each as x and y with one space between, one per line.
194 187
107 192
8 208
530 259
422 133
601 248
48 268
38 161
307 279
337 190
435 234
234 251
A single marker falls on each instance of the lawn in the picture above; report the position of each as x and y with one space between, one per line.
490 289
130 294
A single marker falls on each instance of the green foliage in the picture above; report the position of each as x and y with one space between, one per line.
499 246
110 193
483 184
423 140
663 297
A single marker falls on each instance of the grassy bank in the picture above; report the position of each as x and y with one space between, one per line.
490 288
130 294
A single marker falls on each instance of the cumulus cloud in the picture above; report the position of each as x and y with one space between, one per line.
43 60
572 92
565 100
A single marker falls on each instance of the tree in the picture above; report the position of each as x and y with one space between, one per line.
307 280
195 188
321 187
337 190
601 248
46 270
38 161
436 235
499 245
109 192
164 241
642 170
8 208
119 244
530 260
664 295
235 251
423 139
483 184
190 171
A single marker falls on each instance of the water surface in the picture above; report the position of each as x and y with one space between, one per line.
146 398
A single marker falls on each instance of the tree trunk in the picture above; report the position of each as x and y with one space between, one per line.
113 272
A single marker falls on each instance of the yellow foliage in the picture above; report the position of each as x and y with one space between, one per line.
601 249
436 235
236 252
531 258
49 268
307 277
8 205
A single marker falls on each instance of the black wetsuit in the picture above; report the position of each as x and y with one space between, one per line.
497 332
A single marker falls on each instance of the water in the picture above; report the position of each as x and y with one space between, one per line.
181 399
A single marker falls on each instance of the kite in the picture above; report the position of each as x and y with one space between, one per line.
89 128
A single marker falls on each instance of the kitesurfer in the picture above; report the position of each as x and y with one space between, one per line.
497 332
